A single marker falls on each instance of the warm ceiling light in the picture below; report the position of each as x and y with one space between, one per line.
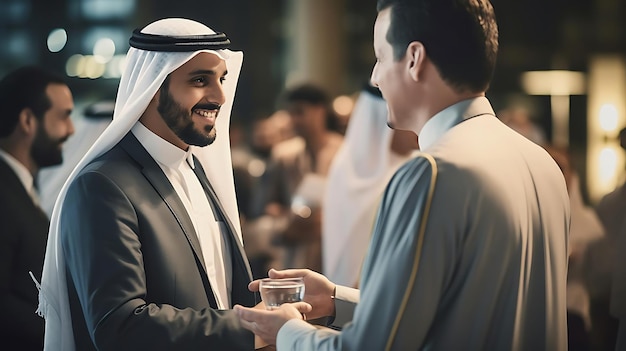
552 83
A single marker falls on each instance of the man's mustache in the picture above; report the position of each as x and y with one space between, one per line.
63 140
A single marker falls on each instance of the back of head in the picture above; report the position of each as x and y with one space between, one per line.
24 88
460 37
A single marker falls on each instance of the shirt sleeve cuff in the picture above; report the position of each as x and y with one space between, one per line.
345 293
345 303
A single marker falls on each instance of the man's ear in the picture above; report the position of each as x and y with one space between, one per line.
416 54
27 122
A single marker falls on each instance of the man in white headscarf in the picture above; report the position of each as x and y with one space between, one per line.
145 248
368 157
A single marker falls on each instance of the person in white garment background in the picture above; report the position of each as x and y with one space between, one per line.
96 117
370 154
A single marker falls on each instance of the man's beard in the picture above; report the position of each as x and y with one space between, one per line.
180 121
45 150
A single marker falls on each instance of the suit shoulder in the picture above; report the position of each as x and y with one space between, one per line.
115 165
110 162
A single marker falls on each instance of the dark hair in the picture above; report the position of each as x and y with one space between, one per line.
23 88
309 93
314 95
460 37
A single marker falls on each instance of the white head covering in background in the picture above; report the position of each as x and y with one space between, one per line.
89 126
356 179
145 72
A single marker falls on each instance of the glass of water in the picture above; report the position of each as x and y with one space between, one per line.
275 292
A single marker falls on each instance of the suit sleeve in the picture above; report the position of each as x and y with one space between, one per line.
101 240
18 319
404 266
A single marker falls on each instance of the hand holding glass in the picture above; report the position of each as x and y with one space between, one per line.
275 292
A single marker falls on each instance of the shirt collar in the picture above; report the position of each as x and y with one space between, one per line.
162 150
20 170
440 123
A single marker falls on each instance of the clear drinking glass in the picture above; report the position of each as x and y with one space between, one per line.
275 292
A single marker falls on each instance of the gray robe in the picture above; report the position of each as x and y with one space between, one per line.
469 249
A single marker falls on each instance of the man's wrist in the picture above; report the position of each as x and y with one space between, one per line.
331 315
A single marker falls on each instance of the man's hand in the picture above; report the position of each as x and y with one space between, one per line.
266 324
318 290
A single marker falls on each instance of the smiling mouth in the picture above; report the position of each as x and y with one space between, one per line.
210 115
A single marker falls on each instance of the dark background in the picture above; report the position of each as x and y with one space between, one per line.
534 35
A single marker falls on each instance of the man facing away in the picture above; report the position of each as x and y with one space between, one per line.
145 249
34 123
469 249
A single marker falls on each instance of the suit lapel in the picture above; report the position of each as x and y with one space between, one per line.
162 185
242 275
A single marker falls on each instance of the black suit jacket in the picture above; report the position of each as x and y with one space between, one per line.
23 236
136 276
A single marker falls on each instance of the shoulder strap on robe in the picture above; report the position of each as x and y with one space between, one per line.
418 253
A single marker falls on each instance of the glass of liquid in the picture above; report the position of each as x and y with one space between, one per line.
275 292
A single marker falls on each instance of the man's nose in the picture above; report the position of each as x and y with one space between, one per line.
70 127
373 80
216 95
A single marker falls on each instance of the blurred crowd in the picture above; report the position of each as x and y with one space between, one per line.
594 233
308 183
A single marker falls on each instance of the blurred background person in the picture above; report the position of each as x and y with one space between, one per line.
299 169
241 156
606 272
34 123
519 119
265 134
610 204
96 117
585 229
251 173
369 156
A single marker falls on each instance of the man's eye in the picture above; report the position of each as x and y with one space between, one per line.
199 80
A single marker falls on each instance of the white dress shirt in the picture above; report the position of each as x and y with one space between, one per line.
178 166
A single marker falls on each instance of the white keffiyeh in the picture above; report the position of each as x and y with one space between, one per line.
145 72
356 179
